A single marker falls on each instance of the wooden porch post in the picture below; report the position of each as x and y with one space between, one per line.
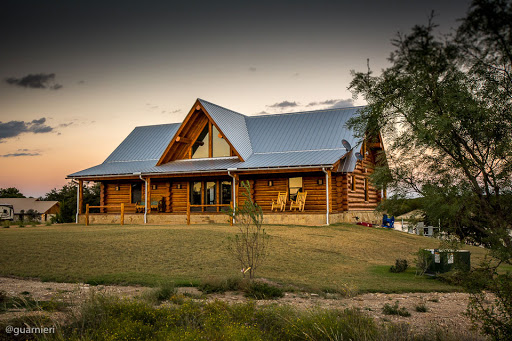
331 193
80 196
122 213
87 215
148 183
188 202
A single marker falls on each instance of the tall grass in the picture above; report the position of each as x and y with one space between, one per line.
110 318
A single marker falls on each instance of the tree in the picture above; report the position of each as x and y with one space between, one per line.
66 196
444 109
250 244
11 192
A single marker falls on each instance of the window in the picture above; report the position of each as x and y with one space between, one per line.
225 188
195 195
366 189
205 193
220 146
209 195
353 183
136 193
294 187
201 146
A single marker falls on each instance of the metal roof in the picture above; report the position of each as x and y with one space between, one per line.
305 139
311 130
144 143
233 125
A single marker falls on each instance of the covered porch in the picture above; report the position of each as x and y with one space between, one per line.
206 197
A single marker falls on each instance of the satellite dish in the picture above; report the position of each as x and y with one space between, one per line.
359 156
346 144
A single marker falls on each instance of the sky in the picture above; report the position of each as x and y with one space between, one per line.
76 77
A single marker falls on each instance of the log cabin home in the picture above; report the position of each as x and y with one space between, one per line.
191 171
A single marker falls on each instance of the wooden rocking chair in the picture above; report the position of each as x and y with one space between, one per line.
281 201
299 202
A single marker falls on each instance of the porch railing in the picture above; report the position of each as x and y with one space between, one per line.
214 205
87 207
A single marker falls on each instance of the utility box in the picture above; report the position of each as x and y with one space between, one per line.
445 260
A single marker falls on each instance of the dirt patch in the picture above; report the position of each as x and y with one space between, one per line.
445 310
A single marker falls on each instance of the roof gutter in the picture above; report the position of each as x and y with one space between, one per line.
319 167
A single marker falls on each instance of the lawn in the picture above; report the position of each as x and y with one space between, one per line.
321 258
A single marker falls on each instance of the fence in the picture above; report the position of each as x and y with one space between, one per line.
87 207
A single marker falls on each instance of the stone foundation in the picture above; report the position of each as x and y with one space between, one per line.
296 218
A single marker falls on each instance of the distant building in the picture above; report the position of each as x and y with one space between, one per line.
24 206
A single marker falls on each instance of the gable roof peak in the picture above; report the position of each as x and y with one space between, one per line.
204 102
308 112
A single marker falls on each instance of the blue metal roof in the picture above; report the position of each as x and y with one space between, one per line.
270 141
144 143
233 125
310 130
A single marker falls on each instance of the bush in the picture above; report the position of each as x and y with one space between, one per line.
262 291
20 223
395 310
400 266
110 318
421 308
6 224
164 292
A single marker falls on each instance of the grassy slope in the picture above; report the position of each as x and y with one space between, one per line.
315 257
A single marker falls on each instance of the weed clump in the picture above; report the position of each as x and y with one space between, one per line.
263 291
395 310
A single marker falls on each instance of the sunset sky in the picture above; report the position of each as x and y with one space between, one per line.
77 76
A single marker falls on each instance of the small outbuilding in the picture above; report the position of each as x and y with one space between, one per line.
37 209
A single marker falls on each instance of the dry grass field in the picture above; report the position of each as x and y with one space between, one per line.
319 258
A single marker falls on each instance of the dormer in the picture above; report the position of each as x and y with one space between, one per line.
209 131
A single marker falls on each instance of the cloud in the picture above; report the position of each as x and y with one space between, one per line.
23 152
253 69
15 128
333 103
284 104
35 81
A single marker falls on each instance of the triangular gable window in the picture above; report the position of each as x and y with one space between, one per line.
201 147
197 138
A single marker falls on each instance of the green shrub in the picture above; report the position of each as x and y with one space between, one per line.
395 310
262 291
6 224
20 223
216 285
421 308
400 266
164 292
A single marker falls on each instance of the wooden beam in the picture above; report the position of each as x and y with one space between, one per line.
210 140
183 139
